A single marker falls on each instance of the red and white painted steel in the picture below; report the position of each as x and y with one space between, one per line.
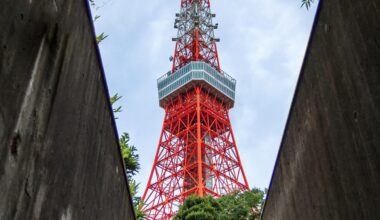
197 152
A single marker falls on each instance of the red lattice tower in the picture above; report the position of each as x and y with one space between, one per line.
197 153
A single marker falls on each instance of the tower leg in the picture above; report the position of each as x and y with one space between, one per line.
196 154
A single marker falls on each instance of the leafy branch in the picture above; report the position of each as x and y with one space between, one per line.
131 161
113 100
102 36
307 3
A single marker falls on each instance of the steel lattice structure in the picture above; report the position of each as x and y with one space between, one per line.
195 40
197 153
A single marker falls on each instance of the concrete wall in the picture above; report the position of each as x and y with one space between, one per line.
328 165
59 156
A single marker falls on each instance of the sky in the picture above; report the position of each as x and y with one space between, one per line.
262 46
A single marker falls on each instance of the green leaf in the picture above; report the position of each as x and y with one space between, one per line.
113 100
100 38
96 17
130 156
92 2
307 3
237 205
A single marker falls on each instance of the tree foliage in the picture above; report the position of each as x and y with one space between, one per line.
101 37
199 208
134 187
307 3
113 100
242 205
238 205
95 6
131 162
130 156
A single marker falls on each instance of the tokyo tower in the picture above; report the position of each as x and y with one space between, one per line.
197 153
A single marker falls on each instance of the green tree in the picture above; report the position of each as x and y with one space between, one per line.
131 161
242 205
237 206
134 187
234 207
130 156
199 208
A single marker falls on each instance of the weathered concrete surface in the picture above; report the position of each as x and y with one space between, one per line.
329 161
59 156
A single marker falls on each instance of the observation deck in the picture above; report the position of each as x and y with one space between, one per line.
219 84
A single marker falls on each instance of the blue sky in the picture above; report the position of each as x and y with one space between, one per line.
262 46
